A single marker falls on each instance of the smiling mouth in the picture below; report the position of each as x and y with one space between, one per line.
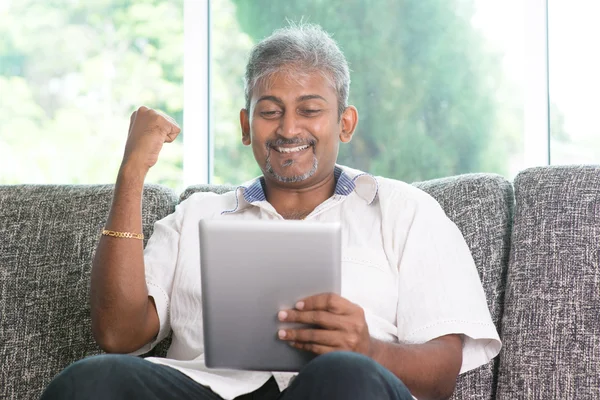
291 149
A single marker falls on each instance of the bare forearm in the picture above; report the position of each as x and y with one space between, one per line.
119 296
429 370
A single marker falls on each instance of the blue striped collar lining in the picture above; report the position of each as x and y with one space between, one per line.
345 185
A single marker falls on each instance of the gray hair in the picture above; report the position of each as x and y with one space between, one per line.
301 48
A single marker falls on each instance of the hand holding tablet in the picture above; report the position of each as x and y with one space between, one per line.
341 325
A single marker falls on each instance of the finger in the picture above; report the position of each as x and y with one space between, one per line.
169 119
323 319
135 114
175 129
172 121
317 336
171 136
171 127
313 348
327 301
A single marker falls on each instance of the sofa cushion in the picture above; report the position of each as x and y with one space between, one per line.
481 206
48 236
219 189
551 323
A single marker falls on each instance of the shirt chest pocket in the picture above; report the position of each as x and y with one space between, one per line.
369 281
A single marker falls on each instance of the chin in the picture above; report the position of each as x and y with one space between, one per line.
296 175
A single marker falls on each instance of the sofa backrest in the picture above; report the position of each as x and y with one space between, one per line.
551 322
48 235
481 206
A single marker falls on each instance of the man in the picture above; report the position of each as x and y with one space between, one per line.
412 314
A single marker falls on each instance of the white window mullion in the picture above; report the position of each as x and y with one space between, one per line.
537 146
196 144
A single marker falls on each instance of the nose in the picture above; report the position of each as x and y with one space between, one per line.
289 125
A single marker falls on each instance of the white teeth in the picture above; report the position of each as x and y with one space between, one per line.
291 149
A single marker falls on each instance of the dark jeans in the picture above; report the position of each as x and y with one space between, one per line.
338 375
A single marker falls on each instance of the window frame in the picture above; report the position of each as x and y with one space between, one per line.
536 116
197 145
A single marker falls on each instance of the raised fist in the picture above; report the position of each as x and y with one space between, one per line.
148 130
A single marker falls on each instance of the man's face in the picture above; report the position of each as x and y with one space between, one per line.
294 129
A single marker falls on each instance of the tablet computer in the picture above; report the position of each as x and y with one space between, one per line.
250 270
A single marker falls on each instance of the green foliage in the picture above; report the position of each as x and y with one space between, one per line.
424 83
72 72
234 163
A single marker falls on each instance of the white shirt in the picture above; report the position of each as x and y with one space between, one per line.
403 261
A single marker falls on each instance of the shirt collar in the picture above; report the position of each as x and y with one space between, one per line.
348 181
253 192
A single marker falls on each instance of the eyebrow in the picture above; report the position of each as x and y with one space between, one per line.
305 97
274 99
311 97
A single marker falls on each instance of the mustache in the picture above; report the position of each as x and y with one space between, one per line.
294 141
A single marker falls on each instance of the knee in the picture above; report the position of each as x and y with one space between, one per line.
108 366
90 375
344 365
343 375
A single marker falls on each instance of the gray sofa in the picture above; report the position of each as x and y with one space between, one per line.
536 243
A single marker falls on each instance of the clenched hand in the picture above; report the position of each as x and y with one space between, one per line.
148 131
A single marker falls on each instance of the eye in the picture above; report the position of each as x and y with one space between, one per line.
310 111
270 114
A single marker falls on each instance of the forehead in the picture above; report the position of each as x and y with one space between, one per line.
291 84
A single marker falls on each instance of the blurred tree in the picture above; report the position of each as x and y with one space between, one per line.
425 85
233 163
72 72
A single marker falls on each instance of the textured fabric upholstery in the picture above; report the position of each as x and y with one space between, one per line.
47 238
219 189
481 207
549 318
551 322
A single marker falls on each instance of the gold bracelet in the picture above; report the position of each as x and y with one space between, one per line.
128 235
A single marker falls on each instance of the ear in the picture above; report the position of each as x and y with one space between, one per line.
245 124
348 122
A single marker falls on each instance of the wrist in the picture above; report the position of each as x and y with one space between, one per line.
374 348
132 171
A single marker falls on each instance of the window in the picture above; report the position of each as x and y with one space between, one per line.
574 81
437 83
442 87
70 75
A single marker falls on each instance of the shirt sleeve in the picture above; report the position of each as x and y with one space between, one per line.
160 260
440 292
